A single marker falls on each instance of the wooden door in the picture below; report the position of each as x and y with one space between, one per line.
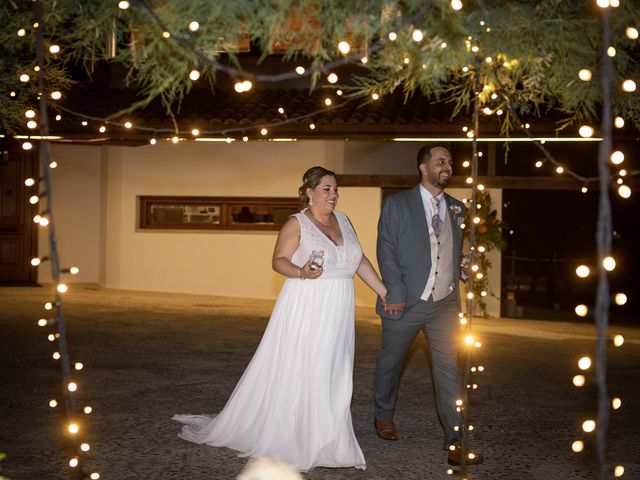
18 233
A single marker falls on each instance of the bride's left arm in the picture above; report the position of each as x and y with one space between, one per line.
369 276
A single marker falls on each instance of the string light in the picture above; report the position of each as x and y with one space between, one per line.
586 131
620 299
24 78
417 35
300 70
128 125
194 26
579 380
589 426
617 157
618 122
584 363
585 75
629 86
581 310
616 403
194 75
631 33
123 5
624 191
611 51
332 78
56 95
393 36
577 446
344 47
618 340
583 271
243 86
618 471
456 4
609 263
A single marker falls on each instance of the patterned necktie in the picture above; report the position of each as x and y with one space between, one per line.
436 223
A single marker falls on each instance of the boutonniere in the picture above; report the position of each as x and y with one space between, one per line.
457 214
456 209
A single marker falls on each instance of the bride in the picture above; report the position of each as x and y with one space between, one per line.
293 400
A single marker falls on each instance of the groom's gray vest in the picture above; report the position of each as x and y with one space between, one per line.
444 283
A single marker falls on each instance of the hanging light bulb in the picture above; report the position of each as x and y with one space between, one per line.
585 75
586 131
344 47
581 310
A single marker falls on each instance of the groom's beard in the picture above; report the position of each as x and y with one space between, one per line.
438 180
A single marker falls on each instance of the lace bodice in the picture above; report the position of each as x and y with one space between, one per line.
339 261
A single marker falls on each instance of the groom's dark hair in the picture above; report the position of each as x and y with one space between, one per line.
424 153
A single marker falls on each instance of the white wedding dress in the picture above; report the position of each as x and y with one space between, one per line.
293 400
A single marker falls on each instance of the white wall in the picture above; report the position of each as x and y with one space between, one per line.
221 263
96 188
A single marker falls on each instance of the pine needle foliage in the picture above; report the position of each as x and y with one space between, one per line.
526 54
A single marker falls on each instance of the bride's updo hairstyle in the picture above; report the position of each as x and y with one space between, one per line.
311 179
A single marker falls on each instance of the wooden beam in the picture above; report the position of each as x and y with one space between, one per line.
506 183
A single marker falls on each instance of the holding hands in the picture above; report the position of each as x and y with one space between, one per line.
393 307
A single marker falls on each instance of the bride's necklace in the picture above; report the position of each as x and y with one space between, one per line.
316 221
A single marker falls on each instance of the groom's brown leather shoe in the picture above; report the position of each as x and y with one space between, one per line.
455 456
386 429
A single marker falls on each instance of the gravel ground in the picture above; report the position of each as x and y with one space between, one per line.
148 356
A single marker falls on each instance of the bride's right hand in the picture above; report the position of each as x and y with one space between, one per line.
307 272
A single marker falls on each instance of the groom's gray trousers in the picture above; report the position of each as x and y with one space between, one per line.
439 323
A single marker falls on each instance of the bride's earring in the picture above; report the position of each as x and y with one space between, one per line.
310 201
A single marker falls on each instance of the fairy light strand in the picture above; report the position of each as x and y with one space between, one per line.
68 386
604 237
293 119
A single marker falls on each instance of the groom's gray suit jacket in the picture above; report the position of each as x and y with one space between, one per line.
404 250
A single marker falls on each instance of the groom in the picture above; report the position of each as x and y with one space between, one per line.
419 253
